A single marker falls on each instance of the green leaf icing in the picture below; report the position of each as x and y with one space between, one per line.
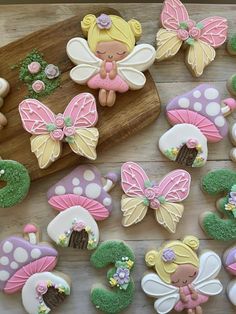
51 127
190 41
183 25
161 199
146 202
199 25
68 121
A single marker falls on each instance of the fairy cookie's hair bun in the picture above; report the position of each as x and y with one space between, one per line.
191 242
151 258
87 22
136 28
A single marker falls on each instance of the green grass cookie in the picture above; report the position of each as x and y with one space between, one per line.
231 45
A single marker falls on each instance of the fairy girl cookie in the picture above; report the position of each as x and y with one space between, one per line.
229 262
109 60
183 281
164 198
4 90
220 226
75 127
26 266
197 117
200 38
82 198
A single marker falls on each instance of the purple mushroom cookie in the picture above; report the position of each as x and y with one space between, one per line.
197 117
229 261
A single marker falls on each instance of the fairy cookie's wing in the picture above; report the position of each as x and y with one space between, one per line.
134 210
168 44
168 215
167 295
173 14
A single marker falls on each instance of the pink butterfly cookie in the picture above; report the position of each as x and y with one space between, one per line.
74 126
202 37
163 198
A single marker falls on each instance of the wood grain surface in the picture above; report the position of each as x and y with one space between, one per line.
172 78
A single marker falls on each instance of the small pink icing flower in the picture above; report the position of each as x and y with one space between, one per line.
195 32
149 193
34 67
78 226
155 204
52 71
41 287
59 121
69 130
38 86
104 21
183 34
191 24
57 135
192 143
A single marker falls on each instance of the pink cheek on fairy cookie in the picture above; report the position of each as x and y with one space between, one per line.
184 275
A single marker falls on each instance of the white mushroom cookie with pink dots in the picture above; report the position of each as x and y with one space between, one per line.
4 90
197 117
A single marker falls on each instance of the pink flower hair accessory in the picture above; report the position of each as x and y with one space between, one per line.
104 21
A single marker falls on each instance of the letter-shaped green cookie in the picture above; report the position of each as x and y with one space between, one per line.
117 298
215 183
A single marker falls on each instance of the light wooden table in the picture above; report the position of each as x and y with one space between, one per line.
172 78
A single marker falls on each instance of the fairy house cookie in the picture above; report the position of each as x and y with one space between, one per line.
4 90
82 198
75 127
197 117
164 198
220 226
26 266
182 280
200 38
109 60
229 261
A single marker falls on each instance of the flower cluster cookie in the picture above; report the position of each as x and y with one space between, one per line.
4 90
197 117
229 261
183 281
109 60
200 38
26 266
82 198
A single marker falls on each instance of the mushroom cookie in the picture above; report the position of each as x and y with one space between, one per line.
197 117
201 38
229 261
109 60
26 265
163 197
75 127
220 226
4 90
81 198
183 281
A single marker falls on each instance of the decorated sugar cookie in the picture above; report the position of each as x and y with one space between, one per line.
26 265
4 90
183 281
82 198
229 261
231 45
200 38
197 117
220 226
119 277
231 85
164 198
75 126
109 60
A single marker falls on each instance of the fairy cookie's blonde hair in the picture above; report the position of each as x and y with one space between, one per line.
174 253
120 30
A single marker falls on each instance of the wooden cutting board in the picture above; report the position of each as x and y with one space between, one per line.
133 110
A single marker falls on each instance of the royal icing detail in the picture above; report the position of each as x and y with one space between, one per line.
201 38
75 126
197 117
182 279
109 60
229 261
4 90
164 198
233 140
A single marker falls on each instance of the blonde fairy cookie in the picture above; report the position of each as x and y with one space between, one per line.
109 60
26 265
183 281
200 38
229 261
4 90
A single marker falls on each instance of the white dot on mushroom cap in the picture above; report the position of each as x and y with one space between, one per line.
20 255
14 265
213 109
197 106
4 275
75 181
7 247
220 121
211 93
35 253
78 190
107 201
89 175
93 190
59 190
4 260
184 102
197 94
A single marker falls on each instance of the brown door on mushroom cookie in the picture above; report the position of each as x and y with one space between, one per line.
186 156
53 297
79 239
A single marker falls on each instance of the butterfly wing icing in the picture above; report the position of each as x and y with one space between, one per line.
168 44
173 13
169 214
134 210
